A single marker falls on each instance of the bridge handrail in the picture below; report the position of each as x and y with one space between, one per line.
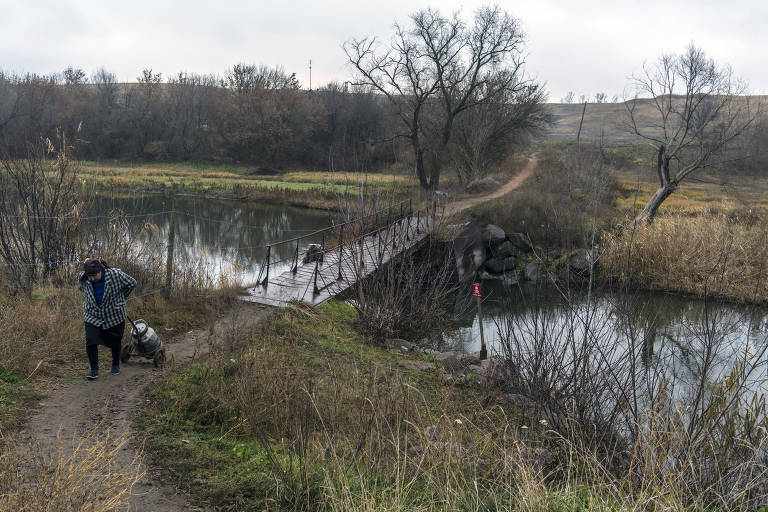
390 222
335 226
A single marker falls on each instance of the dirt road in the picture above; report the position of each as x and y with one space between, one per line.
112 400
505 189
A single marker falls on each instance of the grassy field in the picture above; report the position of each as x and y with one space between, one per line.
226 178
305 415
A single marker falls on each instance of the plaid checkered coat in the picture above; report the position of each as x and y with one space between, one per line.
117 287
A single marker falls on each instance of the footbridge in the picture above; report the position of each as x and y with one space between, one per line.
346 253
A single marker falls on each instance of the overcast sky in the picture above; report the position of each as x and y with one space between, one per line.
586 46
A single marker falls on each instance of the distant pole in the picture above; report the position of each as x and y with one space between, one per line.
171 243
310 75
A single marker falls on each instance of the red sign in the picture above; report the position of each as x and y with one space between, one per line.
476 290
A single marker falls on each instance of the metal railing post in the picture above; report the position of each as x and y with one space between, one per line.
296 258
341 252
394 235
418 223
269 256
315 289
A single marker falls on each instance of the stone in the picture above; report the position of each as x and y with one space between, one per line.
493 236
470 359
505 249
314 253
553 254
579 261
484 275
404 345
499 265
511 278
431 432
532 271
521 242
450 361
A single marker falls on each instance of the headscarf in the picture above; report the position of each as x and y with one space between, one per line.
92 266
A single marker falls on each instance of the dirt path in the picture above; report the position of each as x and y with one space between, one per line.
505 189
112 400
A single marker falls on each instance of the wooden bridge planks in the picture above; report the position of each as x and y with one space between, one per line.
286 287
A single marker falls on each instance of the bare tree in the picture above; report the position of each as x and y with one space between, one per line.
41 205
432 71
601 97
486 135
569 98
696 110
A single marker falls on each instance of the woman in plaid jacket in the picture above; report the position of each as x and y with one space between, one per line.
105 290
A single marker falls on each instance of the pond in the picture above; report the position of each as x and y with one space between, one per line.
224 236
672 329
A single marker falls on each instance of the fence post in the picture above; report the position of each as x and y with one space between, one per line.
171 244
341 252
265 282
322 249
362 254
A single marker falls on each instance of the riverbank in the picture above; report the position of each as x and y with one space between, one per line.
309 189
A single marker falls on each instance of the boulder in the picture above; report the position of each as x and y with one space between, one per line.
314 253
493 236
450 362
521 241
575 266
499 265
511 278
505 250
470 252
403 345
532 271
553 254
579 261
487 184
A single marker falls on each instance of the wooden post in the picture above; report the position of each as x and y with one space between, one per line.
171 244
322 249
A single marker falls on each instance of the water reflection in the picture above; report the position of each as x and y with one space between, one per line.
223 236
657 316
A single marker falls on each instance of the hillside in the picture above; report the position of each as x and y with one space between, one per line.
608 119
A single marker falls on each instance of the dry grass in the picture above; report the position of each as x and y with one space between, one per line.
723 255
298 414
694 198
85 478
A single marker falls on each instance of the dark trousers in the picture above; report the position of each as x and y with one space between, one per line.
112 338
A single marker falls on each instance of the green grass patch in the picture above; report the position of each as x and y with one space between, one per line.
15 398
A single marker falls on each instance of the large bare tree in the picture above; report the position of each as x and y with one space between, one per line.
437 68
696 109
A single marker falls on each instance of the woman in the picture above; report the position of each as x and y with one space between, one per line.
105 291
